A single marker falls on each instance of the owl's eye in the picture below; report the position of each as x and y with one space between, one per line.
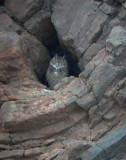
51 68
61 70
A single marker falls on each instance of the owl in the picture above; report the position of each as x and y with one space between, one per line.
57 69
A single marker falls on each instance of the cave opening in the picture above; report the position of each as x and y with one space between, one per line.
72 61
51 42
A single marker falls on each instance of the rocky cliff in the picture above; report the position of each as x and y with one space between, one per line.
37 123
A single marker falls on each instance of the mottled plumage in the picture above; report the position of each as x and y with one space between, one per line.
58 69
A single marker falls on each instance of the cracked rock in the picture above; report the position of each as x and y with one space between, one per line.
79 27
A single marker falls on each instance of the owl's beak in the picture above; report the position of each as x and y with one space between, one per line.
56 73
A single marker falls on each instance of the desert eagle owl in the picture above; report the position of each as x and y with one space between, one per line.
58 69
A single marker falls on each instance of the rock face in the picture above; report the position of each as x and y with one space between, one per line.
16 68
42 124
80 26
14 54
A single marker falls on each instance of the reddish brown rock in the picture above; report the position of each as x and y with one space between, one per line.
19 66
38 56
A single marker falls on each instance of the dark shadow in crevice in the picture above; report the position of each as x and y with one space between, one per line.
2 2
71 59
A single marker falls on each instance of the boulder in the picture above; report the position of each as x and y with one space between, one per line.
78 27
22 10
20 65
19 60
12 49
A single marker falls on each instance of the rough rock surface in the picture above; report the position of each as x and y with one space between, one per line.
79 26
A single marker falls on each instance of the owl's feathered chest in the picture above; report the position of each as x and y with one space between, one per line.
58 69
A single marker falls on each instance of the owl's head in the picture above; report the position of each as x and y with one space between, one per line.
58 66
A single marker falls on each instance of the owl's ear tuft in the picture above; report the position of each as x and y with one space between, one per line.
56 55
63 57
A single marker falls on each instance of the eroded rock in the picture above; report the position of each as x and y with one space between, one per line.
80 27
